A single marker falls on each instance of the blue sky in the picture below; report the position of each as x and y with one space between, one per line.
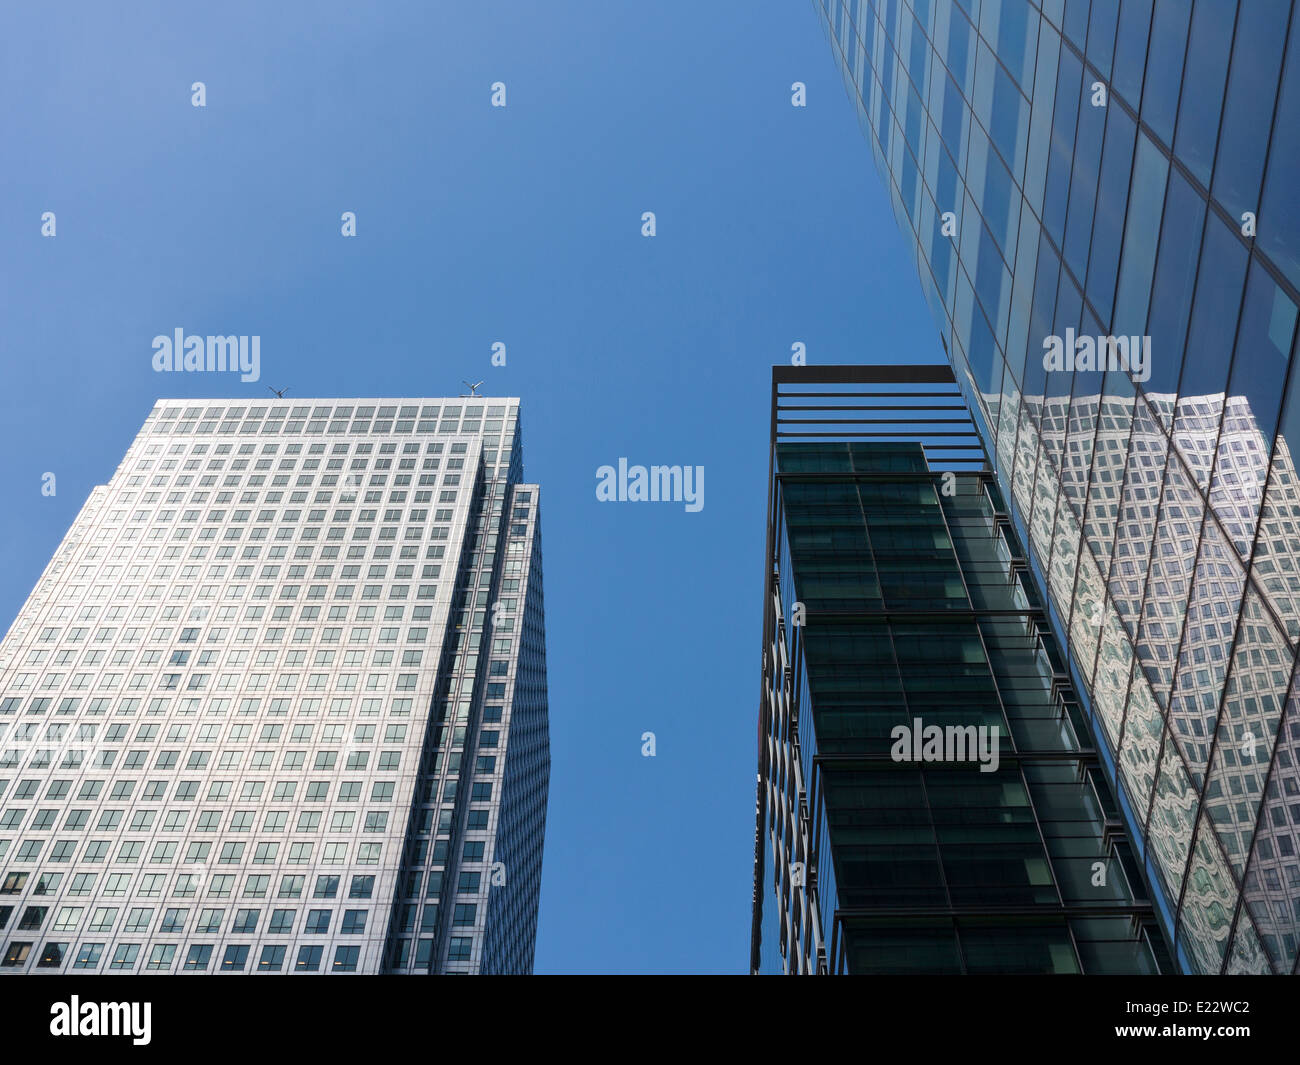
476 225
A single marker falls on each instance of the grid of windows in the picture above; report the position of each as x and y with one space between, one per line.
1126 168
214 706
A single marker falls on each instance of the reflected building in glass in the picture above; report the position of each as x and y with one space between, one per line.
930 799
1128 168
278 702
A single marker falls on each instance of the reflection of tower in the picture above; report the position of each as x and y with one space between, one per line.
1158 651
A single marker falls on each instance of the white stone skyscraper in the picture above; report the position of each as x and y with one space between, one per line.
278 702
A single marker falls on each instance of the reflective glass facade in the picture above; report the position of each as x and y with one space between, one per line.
278 702
898 598
1127 168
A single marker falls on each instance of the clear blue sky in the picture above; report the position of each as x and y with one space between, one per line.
478 225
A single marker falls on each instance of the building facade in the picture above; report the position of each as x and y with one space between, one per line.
1100 199
930 799
278 702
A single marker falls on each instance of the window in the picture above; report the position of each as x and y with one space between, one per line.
13 883
318 922
345 959
124 956
309 959
88 956
272 960
186 885
16 954
160 957
1203 87
354 922
235 959
199 957
52 956
82 884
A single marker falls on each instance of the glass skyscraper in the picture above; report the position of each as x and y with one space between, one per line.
1069 173
930 800
278 702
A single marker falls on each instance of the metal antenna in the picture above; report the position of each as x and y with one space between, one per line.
278 391
473 388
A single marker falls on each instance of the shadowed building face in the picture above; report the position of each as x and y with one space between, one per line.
929 799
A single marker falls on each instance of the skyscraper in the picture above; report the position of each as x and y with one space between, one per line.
929 798
1074 172
278 702
1100 198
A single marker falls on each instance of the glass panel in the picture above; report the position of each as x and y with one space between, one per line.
1252 704
1273 880
1277 545
1140 753
1248 111
1171 297
1173 814
1087 618
1203 80
1101 34
1065 552
1208 904
1131 50
1280 210
1173 557
1209 344
1040 122
1112 198
1013 26
1069 81
1247 957
1259 368
1083 185
1165 66
1110 454
1203 657
1110 688
1142 230
1146 464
